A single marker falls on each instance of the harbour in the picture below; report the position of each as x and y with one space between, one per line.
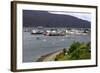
34 46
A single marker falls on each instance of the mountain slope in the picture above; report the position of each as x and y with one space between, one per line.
43 18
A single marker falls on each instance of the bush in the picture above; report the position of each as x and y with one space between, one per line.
73 47
79 51
76 51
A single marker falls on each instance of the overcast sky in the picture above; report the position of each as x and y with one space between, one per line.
84 16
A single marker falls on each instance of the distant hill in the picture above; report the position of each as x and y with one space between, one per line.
33 18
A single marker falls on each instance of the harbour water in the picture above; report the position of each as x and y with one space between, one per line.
35 46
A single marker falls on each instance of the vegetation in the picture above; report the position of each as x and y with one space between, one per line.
76 51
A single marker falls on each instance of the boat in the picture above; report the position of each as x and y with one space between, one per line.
54 34
36 32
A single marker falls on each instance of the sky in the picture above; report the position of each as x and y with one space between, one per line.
84 16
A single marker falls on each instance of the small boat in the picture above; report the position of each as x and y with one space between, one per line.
37 38
54 34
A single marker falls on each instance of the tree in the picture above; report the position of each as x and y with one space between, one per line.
64 51
73 47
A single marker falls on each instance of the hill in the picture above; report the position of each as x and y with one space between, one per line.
36 18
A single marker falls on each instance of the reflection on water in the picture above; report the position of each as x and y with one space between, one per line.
36 45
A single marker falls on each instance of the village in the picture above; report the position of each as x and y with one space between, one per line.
58 31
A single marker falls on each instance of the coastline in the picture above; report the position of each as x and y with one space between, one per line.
50 56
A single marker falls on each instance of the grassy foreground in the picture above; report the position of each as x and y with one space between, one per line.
76 51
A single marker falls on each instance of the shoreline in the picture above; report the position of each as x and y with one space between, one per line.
50 56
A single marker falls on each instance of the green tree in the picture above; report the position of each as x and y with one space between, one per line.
73 47
64 51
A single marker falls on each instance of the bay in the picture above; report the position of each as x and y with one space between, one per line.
33 48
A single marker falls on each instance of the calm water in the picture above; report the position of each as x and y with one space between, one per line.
33 48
